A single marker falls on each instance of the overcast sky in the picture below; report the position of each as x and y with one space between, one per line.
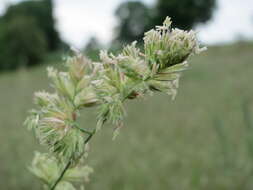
78 20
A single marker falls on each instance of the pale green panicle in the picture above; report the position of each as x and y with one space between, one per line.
107 85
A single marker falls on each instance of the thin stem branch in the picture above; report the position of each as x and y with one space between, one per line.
61 176
84 130
85 142
69 162
89 137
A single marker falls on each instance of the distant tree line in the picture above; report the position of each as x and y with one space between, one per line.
27 33
135 17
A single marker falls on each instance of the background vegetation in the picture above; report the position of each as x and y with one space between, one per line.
202 140
199 141
135 17
27 33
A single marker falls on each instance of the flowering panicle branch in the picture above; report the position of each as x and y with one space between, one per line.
106 85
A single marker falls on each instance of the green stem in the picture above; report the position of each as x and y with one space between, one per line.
61 176
69 162
85 142
89 137
84 130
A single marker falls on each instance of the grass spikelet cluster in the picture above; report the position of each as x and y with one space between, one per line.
107 85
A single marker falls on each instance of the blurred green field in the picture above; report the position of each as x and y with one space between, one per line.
199 141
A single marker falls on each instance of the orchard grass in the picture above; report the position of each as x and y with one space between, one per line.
165 144
106 85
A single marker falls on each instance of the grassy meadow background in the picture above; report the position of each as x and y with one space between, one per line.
202 140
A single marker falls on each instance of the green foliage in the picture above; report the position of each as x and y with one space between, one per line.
26 33
17 45
135 17
42 13
92 49
167 144
107 85
228 162
185 13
